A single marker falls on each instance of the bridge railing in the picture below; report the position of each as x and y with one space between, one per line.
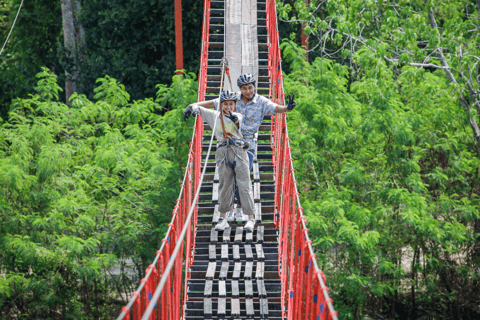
170 303
304 294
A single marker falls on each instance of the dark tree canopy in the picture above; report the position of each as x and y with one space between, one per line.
131 41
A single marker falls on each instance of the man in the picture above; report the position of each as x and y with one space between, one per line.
231 157
253 107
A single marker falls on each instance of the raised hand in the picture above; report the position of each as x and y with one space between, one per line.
188 112
232 117
291 102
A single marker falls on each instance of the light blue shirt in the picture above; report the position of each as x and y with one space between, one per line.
253 113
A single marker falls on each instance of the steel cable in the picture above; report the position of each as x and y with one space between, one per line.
14 21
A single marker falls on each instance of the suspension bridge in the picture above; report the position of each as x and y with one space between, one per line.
271 273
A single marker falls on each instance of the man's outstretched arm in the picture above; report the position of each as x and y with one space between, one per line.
291 104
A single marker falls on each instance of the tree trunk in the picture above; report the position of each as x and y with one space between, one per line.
79 32
72 38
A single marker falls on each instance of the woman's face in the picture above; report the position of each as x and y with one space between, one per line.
228 106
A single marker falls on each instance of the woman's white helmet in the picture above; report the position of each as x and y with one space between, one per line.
228 95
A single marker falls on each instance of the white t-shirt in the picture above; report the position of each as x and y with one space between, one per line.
209 116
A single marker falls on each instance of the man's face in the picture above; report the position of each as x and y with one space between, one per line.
248 91
228 105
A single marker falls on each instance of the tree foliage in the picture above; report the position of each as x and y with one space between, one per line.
32 45
134 42
388 169
131 41
86 195
423 34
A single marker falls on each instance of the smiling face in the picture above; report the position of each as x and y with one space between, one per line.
248 91
228 105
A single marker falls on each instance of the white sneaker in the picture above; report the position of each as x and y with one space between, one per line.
250 225
222 224
231 215
239 214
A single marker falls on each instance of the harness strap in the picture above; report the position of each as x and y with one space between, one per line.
232 165
236 156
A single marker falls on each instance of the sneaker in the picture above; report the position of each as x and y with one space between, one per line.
239 214
231 215
250 225
222 224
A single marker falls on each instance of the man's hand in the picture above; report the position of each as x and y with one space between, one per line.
291 102
232 117
188 112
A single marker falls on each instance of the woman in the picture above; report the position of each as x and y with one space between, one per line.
231 157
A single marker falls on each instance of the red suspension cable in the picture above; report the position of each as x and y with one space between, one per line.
304 294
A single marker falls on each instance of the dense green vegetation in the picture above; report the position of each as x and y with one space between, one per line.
384 142
131 41
390 186
82 190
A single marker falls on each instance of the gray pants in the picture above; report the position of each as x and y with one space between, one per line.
232 160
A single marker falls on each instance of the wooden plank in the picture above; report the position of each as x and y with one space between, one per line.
264 308
248 252
224 252
215 187
227 234
256 172
248 289
239 234
207 307
222 289
207 292
235 307
233 39
217 175
258 212
224 271
236 271
249 237
247 275
262 292
260 234
211 270
259 273
216 215
235 289
212 252
249 37
249 307
259 250
222 307
236 253
256 192
213 236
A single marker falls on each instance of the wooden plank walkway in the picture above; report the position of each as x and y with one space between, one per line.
235 272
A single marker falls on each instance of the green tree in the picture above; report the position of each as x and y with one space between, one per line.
32 45
4 21
388 169
87 193
132 41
